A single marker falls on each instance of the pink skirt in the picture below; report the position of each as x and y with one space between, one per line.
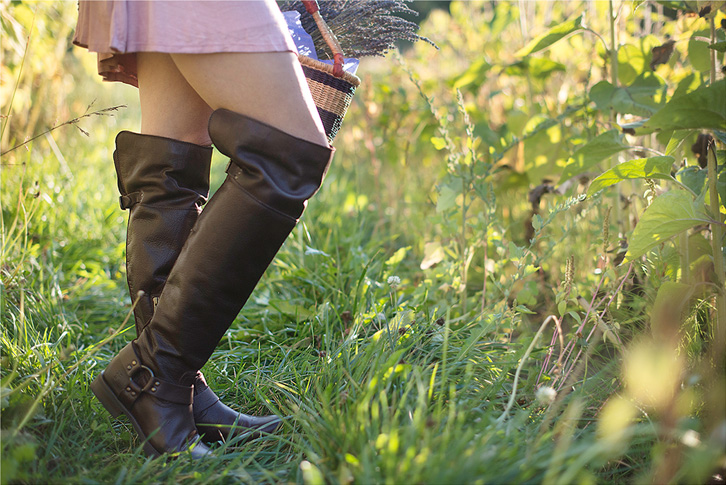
117 29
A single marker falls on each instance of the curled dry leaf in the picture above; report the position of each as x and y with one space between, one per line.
661 54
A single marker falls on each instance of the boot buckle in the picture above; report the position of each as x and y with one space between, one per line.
133 388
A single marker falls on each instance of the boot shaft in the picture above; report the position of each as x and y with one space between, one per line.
161 171
270 178
277 169
164 183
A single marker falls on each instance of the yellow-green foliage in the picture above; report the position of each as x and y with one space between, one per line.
454 307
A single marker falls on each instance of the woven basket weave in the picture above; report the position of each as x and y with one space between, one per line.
332 94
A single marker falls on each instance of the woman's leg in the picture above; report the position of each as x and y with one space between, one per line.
170 107
167 166
267 87
265 120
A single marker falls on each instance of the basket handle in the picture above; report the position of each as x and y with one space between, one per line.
328 36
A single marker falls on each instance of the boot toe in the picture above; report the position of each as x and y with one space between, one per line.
216 421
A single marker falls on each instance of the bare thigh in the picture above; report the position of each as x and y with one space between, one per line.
170 107
268 87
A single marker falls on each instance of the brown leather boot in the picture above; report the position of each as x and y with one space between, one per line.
270 179
159 410
164 183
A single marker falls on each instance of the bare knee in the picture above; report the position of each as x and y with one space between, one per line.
187 130
170 107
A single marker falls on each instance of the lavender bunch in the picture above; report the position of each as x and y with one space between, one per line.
362 27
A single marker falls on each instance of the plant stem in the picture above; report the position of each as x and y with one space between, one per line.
685 257
717 231
712 72
486 260
717 235
464 249
74 121
613 46
20 74
521 365
613 113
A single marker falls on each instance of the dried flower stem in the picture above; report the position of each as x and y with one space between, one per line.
74 121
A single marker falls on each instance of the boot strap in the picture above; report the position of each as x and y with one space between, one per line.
154 386
129 200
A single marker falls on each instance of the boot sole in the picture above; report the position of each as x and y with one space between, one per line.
105 395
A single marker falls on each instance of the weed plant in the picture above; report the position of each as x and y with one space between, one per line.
451 309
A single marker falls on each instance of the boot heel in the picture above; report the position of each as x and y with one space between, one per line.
104 394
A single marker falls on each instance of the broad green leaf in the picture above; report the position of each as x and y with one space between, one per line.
698 246
474 76
676 140
687 6
631 62
653 168
516 121
699 55
447 198
536 67
596 150
607 96
704 108
718 46
541 68
693 177
601 94
648 89
689 83
634 127
550 37
623 102
668 215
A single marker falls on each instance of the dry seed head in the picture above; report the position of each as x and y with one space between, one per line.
545 395
569 275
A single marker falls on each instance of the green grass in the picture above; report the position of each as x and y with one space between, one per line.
377 384
380 371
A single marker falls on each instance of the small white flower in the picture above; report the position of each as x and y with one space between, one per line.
546 395
691 438
394 281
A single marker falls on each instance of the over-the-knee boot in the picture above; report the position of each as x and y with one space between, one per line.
270 178
164 183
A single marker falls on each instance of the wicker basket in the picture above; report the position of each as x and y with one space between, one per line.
331 87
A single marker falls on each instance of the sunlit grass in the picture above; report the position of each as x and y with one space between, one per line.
357 335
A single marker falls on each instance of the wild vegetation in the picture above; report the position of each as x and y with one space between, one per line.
513 274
